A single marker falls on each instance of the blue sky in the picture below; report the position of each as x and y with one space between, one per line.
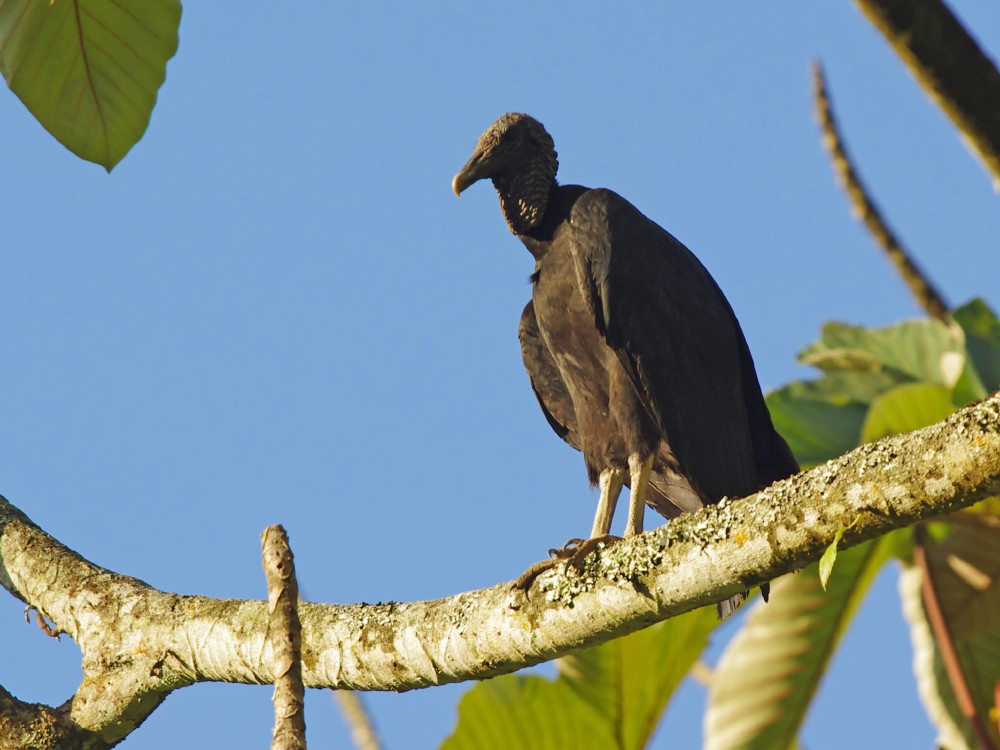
275 310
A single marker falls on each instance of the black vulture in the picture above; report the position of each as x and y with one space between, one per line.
633 351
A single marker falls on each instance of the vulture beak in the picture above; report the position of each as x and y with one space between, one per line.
475 169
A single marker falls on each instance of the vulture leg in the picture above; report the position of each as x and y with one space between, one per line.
639 470
610 482
575 550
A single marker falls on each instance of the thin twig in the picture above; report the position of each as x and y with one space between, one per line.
286 640
866 210
358 719
946 645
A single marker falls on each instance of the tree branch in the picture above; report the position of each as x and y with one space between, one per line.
139 643
949 65
285 639
32 725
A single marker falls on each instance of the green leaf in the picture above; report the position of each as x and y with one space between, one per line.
844 387
932 682
989 506
829 558
610 696
832 359
966 570
982 341
969 387
528 713
915 350
823 418
965 575
906 408
769 673
89 70
816 429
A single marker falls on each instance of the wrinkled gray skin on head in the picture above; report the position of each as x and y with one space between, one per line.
519 156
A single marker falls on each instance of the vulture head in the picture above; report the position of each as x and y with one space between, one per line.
519 156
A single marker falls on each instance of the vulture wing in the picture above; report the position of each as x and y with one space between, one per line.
546 382
677 337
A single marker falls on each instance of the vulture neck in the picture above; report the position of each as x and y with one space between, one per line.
524 194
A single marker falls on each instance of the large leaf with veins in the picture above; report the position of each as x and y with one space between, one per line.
89 70
609 697
768 675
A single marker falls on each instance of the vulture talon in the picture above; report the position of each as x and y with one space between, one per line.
568 549
585 548
574 552
527 578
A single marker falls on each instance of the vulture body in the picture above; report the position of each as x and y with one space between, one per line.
633 351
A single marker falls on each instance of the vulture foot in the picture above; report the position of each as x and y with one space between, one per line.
575 551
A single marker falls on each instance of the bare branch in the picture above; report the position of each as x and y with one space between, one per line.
31 725
865 209
286 640
140 643
949 65
356 715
